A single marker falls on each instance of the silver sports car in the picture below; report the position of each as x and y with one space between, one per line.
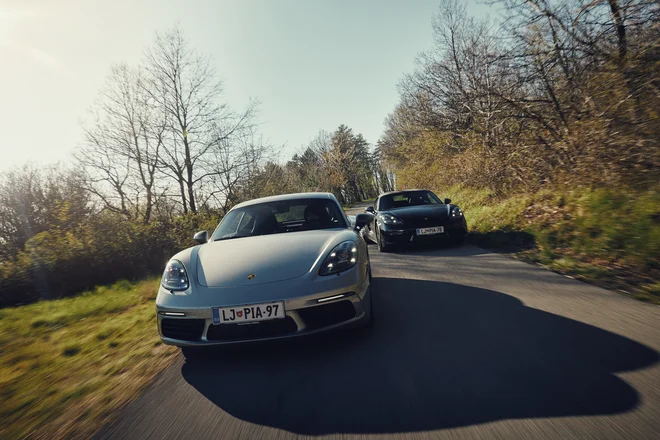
275 267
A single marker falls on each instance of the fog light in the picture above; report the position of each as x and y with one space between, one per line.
330 298
172 313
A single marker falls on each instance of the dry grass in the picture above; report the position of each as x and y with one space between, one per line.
66 366
606 237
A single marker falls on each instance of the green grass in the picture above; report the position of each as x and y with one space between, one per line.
67 365
606 237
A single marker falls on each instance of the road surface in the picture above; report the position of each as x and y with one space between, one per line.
466 344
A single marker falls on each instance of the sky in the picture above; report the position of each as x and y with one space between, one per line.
313 64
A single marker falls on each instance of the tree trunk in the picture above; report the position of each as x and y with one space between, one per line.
620 29
148 209
184 202
191 193
189 170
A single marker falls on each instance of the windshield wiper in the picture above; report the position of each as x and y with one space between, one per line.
230 236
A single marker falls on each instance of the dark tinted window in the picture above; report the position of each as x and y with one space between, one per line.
279 217
408 198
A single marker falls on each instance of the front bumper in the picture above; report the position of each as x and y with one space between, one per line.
400 237
304 316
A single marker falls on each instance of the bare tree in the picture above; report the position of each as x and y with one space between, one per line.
200 128
34 200
558 91
233 167
123 143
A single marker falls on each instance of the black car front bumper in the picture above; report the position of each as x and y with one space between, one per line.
407 236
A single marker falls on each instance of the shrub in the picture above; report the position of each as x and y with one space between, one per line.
106 248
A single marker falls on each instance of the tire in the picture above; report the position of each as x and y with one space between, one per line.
382 247
367 238
370 323
193 354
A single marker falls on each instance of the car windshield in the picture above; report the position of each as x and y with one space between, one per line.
279 217
408 198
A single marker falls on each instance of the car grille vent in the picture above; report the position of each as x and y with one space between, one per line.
327 314
182 329
424 222
263 329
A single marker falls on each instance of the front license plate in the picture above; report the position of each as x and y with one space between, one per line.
249 313
431 231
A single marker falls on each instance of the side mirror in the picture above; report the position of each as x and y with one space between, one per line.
201 237
369 209
447 201
362 220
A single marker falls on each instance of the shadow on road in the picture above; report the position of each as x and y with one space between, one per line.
437 250
440 356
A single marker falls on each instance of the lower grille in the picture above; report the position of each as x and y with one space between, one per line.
182 329
428 238
327 314
263 329
421 223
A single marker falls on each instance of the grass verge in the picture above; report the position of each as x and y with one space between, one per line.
67 365
607 237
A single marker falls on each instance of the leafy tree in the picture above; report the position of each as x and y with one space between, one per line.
34 200
557 93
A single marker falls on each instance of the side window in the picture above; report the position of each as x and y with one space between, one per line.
246 224
229 224
331 213
432 199
295 213
385 203
400 200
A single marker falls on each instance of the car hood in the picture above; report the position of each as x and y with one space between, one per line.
432 212
261 259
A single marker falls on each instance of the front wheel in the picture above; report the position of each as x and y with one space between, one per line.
365 234
193 354
382 246
370 323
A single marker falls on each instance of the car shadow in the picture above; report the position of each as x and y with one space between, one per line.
440 250
440 355
503 241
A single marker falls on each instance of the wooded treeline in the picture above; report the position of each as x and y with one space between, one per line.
164 155
555 93
558 92
339 162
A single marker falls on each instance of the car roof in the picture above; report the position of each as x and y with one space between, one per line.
402 191
281 197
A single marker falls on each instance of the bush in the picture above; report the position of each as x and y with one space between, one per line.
594 234
106 248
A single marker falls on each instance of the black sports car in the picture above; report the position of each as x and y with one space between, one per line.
414 216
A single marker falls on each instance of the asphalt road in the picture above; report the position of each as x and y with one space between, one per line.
466 344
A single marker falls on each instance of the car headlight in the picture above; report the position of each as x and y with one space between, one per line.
175 277
456 212
389 219
343 257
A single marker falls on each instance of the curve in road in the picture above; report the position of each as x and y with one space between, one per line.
466 344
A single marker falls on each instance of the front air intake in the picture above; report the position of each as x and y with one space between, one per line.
327 314
182 329
247 331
